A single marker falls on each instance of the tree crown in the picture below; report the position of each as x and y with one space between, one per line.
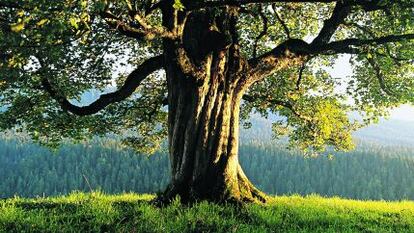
53 53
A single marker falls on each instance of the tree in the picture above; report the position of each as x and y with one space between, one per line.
209 62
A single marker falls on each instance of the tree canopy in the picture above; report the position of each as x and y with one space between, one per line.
53 52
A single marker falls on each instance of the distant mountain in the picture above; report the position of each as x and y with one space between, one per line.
389 132
386 132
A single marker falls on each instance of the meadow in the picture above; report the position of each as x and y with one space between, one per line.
129 212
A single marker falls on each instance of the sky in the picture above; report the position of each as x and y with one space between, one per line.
342 69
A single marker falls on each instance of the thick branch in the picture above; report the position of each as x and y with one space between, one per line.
289 53
142 30
338 16
133 80
295 52
187 66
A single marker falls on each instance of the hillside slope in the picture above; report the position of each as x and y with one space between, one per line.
370 172
96 212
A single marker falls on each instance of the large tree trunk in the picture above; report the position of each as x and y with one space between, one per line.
204 117
203 137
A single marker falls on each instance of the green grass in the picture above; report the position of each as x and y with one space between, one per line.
97 212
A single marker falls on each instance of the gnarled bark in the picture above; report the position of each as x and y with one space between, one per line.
205 86
203 134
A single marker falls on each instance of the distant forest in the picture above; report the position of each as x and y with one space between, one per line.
370 172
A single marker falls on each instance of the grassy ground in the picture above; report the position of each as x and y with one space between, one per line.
96 212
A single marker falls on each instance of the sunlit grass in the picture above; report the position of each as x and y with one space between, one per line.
129 212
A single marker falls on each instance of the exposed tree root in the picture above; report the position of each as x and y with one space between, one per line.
241 193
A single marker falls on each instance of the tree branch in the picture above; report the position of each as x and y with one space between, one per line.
141 30
344 46
263 32
133 80
379 76
291 52
283 23
187 66
281 103
295 52
299 80
340 12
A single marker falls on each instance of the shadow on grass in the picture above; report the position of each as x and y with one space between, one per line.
43 205
96 215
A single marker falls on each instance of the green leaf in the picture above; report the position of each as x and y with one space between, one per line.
42 22
74 22
17 27
178 5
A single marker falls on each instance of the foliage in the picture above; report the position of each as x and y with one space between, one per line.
97 212
65 42
81 45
